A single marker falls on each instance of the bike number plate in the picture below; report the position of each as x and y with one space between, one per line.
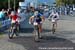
53 20
35 23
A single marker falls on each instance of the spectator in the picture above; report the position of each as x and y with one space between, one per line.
46 12
2 15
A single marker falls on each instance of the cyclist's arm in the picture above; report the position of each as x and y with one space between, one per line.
31 18
50 16
19 17
43 18
57 16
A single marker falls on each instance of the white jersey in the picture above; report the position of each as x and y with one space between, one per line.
54 16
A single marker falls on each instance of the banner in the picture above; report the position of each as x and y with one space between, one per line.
5 23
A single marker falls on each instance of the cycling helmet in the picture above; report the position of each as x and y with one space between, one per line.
36 13
13 13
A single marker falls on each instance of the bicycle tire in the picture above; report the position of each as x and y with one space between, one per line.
36 36
53 29
11 33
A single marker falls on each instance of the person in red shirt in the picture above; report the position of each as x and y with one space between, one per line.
14 19
15 24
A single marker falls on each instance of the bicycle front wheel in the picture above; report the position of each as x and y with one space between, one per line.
53 28
11 33
36 34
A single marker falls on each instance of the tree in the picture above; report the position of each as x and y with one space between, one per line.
4 3
65 2
58 2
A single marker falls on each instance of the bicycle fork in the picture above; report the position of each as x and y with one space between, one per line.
53 28
36 29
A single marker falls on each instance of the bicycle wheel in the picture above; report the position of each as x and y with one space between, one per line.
11 33
53 29
36 34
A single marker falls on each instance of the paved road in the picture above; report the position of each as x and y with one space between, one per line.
64 39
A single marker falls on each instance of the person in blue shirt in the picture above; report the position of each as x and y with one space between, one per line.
2 15
38 18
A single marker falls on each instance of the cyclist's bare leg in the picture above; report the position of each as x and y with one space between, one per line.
56 25
53 27
40 30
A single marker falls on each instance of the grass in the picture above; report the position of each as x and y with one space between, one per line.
1 34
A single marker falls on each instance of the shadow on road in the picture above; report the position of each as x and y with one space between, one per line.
30 30
46 30
47 41
26 30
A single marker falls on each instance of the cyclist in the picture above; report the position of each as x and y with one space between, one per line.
54 16
14 19
37 17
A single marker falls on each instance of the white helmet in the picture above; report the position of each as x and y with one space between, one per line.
36 13
13 13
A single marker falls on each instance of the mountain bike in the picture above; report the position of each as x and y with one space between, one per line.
14 29
36 31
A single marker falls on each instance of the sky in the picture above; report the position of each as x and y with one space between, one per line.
50 1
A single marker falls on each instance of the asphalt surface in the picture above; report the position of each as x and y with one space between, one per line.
63 39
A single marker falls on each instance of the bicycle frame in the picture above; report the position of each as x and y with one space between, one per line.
53 28
13 30
36 32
